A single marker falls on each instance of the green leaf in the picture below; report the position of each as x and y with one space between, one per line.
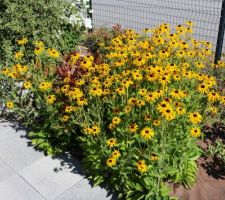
138 187
164 191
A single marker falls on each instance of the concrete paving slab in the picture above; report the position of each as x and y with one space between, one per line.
84 191
5 171
16 153
15 188
39 177
51 177
14 148
7 132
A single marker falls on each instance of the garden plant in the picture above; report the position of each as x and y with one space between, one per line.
136 111
58 23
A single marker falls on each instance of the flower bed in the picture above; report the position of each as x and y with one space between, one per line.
136 110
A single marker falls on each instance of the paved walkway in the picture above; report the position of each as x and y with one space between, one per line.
26 174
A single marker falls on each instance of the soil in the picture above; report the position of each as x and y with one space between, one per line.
210 183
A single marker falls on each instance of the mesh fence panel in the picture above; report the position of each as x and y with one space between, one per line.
140 14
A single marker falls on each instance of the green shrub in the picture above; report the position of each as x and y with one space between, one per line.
58 23
217 150
100 37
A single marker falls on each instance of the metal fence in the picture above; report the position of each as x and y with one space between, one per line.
140 14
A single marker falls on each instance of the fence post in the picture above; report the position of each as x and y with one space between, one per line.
220 36
90 15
